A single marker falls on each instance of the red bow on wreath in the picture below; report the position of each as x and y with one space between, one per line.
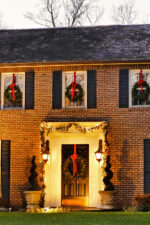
141 82
74 158
74 84
12 86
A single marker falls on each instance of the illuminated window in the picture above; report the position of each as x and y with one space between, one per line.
10 98
139 95
81 79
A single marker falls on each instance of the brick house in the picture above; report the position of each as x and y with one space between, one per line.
107 62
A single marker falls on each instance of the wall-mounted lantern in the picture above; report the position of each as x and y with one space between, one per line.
46 152
98 153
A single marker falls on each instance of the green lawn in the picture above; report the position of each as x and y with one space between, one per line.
76 218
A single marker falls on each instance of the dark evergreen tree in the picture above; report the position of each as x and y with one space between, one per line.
109 174
33 181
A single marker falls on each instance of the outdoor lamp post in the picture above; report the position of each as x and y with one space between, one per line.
98 153
46 152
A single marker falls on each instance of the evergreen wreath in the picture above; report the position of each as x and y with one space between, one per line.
18 94
138 95
68 168
76 97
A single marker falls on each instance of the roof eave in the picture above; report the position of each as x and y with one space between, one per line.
72 63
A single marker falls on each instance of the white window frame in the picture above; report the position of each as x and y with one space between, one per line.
63 90
2 90
130 89
0 172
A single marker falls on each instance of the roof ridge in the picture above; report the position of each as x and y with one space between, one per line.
76 27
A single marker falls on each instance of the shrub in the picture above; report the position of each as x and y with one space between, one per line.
131 208
33 181
109 174
142 203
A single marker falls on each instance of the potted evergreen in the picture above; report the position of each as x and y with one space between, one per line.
107 195
33 195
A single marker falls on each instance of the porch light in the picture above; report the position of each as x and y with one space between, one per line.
98 153
46 152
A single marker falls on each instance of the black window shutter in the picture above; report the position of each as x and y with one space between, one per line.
91 89
5 170
57 90
147 166
29 90
0 90
124 88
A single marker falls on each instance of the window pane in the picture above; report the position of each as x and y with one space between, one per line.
135 77
19 81
0 173
80 79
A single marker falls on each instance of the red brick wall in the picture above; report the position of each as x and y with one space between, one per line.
127 130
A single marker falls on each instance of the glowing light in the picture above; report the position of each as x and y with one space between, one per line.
98 156
46 155
98 153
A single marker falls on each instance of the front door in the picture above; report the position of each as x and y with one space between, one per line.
75 188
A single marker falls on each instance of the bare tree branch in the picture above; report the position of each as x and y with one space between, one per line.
52 7
1 16
47 15
125 13
96 15
3 25
69 13
74 11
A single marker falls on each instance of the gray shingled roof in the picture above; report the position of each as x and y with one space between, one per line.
103 44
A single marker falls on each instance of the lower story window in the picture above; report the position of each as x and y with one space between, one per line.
5 170
147 166
0 173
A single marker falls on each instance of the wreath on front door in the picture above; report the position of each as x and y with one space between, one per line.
68 168
139 95
78 96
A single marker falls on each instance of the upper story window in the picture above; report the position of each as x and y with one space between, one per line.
12 90
74 89
139 88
